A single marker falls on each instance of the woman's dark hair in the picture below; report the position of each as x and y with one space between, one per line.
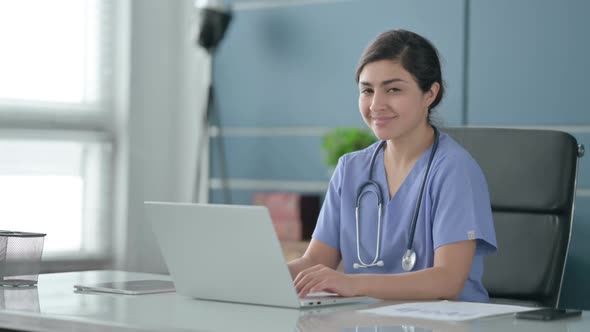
415 53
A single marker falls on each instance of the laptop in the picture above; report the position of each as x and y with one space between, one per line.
227 253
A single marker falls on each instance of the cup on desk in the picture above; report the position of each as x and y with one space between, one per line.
20 258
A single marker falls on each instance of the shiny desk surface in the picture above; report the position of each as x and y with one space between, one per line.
54 306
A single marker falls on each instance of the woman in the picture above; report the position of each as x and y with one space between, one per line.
400 82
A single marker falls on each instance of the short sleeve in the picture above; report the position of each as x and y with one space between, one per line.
461 205
327 228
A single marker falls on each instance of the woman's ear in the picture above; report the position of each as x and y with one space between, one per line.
430 95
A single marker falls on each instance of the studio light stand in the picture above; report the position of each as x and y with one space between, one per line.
214 20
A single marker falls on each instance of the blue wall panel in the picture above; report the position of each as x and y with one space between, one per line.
528 62
294 65
272 158
242 197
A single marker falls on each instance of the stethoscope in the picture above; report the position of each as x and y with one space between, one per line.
409 258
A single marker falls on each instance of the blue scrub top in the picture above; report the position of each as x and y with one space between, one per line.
455 207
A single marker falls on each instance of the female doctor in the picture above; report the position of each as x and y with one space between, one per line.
409 217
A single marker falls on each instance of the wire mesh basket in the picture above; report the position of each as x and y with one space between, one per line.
20 258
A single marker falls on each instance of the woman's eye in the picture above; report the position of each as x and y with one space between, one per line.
366 91
394 90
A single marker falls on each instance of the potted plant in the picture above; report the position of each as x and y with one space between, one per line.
340 141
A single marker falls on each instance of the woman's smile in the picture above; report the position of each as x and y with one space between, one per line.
382 120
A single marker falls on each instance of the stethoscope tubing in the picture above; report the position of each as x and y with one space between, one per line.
378 192
419 201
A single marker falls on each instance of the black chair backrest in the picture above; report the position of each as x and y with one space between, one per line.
531 175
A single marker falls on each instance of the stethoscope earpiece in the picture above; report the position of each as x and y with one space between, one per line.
409 258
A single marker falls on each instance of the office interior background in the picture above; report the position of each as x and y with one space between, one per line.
101 104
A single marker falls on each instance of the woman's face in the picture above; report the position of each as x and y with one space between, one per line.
390 100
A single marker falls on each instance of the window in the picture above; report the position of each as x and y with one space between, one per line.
51 51
54 186
56 120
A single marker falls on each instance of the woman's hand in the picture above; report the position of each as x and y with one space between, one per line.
320 278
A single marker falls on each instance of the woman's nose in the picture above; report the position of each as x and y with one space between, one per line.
377 102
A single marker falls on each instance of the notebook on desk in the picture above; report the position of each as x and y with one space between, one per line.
129 287
227 253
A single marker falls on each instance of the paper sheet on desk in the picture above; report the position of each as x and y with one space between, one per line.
446 310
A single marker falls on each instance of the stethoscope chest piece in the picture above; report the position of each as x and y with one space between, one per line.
409 260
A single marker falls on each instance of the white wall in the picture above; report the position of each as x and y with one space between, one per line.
167 81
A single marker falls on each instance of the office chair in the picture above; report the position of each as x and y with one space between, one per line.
531 176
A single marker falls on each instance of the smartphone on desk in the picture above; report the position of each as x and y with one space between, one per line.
548 314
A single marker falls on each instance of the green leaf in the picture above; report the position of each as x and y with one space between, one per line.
340 141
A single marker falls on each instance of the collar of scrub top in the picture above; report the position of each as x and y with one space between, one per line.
409 257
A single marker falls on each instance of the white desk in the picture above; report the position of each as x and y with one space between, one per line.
54 306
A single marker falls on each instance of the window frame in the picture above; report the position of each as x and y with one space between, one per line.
95 122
